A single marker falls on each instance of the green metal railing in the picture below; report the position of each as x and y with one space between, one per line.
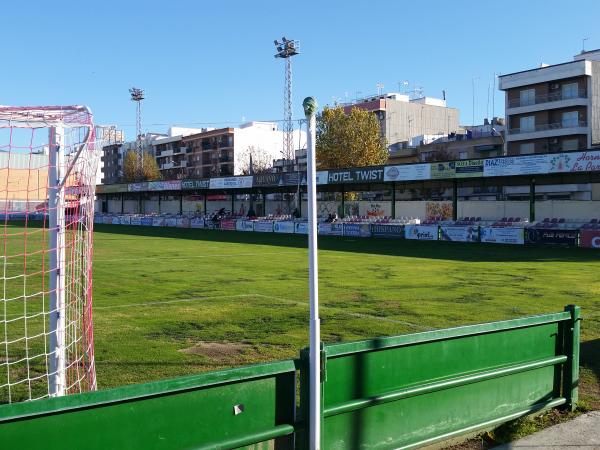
387 393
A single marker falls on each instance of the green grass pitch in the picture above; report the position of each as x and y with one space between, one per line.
170 302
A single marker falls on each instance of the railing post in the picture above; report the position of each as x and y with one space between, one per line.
571 368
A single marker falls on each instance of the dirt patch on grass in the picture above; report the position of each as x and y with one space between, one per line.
219 351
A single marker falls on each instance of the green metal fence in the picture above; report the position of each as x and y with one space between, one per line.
387 393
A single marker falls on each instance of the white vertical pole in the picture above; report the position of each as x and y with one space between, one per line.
310 107
56 204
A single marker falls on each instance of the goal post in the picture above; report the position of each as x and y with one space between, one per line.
48 161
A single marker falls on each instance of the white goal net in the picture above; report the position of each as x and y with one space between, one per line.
48 161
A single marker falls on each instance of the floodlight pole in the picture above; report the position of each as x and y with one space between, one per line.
56 206
310 108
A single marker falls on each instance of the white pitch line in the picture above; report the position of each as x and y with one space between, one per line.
155 258
284 300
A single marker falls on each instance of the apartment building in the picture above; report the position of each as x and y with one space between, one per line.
553 108
113 155
220 152
402 120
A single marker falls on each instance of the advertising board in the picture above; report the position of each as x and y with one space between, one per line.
283 227
357 229
551 236
407 172
589 238
263 226
387 230
301 227
197 222
244 225
183 222
502 235
227 224
464 233
330 229
146 221
136 220
421 232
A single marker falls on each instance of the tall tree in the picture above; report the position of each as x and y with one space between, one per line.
140 169
131 167
261 160
349 140
150 170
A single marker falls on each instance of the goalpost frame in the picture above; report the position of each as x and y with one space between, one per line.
56 206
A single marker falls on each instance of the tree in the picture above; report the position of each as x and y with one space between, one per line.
130 167
140 169
150 170
349 140
261 160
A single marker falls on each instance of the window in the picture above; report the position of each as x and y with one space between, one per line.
527 97
527 149
527 123
463 155
570 144
570 119
570 90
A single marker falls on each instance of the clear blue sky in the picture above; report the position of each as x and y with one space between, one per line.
212 61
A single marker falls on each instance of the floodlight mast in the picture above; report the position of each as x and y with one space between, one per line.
285 50
137 95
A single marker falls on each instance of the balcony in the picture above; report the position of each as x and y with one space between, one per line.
164 153
545 130
547 101
181 151
550 97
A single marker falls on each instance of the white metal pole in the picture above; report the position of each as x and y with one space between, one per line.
310 107
56 203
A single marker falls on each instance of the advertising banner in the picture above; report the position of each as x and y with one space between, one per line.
294 178
301 227
502 235
357 229
168 185
421 232
244 225
197 222
125 220
171 222
183 222
146 221
407 172
136 220
551 236
518 165
330 229
321 177
574 162
365 175
158 221
231 183
268 179
98 218
467 233
387 230
457 169
115 220
195 183
111 188
227 224
263 226
283 227
589 238
137 187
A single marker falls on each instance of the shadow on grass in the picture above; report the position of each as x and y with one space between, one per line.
458 251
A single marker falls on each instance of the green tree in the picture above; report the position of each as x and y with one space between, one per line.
349 140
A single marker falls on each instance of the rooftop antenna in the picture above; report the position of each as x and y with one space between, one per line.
380 87
285 50
403 87
357 95
137 95
583 44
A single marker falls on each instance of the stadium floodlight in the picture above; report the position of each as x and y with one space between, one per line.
47 184
310 109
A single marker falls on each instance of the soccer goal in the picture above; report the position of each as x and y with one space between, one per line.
48 161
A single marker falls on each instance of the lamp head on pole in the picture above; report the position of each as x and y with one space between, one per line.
310 106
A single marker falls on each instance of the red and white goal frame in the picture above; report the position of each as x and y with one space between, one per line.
48 161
